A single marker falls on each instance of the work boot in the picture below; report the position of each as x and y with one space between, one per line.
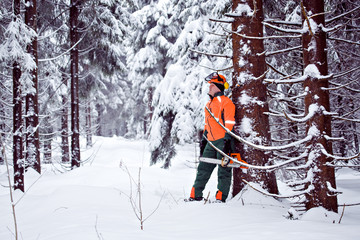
194 199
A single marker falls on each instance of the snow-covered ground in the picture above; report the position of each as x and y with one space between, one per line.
93 202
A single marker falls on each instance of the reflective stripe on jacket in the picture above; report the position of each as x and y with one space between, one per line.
224 110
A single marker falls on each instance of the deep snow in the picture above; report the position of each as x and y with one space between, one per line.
93 202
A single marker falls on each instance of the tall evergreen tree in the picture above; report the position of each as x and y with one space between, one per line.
74 89
13 52
180 97
249 92
315 63
31 88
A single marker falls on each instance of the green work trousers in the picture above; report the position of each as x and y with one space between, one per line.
205 170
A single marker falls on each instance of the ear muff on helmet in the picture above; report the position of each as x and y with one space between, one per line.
217 78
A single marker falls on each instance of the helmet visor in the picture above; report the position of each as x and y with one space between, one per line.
214 77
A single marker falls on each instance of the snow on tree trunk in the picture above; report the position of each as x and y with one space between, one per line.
74 65
321 176
249 93
31 108
18 159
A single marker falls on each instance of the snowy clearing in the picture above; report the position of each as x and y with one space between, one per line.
93 202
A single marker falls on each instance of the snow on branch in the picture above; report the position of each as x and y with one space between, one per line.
269 167
261 147
276 21
211 54
62 54
311 70
323 150
313 108
284 30
332 190
262 191
287 80
334 138
222 20
267 37
282 51
333 29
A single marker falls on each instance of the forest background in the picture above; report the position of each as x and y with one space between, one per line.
136 69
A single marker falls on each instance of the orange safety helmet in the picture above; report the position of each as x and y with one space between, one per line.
217 78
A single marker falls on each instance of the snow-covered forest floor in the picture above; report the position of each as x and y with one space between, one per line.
93 202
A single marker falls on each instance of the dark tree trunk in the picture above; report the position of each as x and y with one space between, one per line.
74 65
32 108
2 136
47 151
17 120
150 110
314 51
249 67
65 155
99 111
88 125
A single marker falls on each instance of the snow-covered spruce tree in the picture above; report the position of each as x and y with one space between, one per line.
180 97
249 92
53 43
317 107
103 86
316 178
151 37
13 53
31 92
5 79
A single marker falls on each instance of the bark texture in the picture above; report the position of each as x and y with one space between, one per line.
32 105
74 65
249 93
314 52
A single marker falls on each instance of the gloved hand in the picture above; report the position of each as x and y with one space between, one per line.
203 143
227 146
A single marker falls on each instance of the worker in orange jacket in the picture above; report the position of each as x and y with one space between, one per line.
224 110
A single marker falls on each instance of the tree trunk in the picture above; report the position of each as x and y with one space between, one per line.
314 52
47 151
2 136
32 108
150 110
65 156
88 125
74 65
18 159
249 68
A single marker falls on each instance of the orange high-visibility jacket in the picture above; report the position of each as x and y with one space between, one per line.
224 110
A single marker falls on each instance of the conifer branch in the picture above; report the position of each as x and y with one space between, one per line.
210 54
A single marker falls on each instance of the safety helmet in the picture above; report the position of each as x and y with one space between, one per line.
217 79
